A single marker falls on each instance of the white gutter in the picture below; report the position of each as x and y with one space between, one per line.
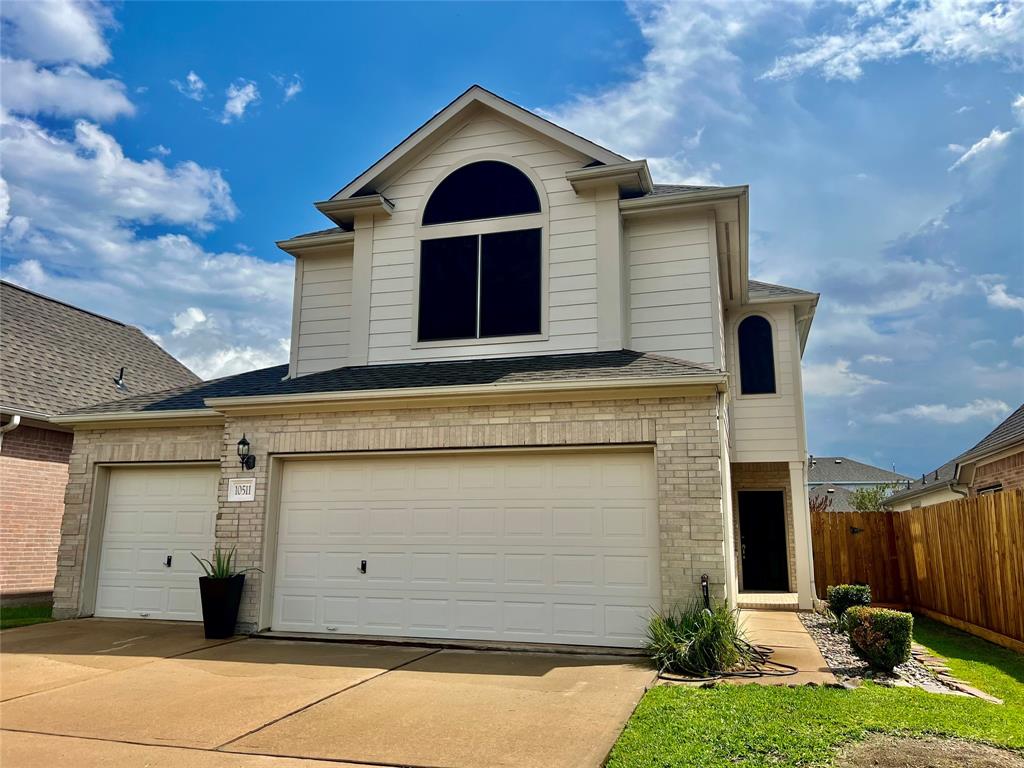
719 380
10 426
654 202
86 418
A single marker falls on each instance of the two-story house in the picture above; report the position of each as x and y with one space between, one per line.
531 397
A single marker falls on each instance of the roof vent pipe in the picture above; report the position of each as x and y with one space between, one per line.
119 381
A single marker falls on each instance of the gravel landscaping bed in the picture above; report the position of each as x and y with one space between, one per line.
848 666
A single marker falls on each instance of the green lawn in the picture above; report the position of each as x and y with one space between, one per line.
23 615
751 725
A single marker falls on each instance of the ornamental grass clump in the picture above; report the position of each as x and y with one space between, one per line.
694 641
880 636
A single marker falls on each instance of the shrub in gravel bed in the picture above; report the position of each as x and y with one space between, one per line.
843 596
879 635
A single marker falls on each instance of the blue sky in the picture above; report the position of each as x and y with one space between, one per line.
152 153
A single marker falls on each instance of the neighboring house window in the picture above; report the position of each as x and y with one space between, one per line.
757 358
481 280
989 489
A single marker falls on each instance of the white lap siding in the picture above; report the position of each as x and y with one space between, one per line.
325 311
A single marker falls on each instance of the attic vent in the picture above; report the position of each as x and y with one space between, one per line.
839 461
119 381
831 490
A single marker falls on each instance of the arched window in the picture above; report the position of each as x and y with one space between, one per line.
488 189
757 357
481 280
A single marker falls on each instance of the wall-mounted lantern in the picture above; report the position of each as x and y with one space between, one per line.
247 459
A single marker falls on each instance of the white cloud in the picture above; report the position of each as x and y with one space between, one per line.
232 360
292 86
67 91
688 75
188 320
997 295
986 409
57 31
887 30
1018 342
983 147
964 109
876 359
193 88
836 380
239 96
957 149
160 149
1018 107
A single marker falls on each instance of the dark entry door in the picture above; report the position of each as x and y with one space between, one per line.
763 541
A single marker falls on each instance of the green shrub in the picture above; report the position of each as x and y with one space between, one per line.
843 596
880 636
691 640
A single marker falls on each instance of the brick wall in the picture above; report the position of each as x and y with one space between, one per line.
764 476
1008 470
33 474
684 432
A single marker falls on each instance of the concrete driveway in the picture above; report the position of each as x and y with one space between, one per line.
100 692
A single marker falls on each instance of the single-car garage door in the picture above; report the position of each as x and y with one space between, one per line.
156 517
553 547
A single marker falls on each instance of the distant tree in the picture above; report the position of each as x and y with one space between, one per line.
821 503
871 499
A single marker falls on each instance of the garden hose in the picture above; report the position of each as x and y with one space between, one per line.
763 666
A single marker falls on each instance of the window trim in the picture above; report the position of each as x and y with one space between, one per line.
777 394
539 221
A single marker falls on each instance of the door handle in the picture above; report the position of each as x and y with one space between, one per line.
167 562
362 566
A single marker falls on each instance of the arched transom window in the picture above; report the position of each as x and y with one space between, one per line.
757 356
480 275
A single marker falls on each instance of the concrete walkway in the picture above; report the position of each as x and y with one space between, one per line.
102 692
783 631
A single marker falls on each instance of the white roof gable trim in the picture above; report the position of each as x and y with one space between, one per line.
477 95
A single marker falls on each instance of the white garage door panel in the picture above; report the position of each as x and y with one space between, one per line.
560 547
153 512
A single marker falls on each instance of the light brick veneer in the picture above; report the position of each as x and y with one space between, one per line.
1009 471
33 474
683 432
764 476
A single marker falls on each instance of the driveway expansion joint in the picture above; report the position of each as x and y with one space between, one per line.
325 698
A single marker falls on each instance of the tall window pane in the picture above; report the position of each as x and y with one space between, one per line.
510 283
757 358
448 280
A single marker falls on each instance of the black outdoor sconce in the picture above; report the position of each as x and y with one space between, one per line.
247 459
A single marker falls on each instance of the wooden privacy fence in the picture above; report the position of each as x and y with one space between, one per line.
961 562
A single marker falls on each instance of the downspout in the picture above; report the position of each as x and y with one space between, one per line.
731 585
10 426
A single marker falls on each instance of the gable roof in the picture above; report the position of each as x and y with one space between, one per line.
1006 435
943 477
759 291
55 357
839 469
367 181
840 497
585 366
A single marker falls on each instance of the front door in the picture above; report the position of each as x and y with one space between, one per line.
763 541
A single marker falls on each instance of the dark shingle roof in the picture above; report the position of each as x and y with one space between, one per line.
934 479
671 189
442 373
1005 435
840 497
826 470
759 290
55 357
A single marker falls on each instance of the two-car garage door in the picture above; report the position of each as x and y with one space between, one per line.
550 547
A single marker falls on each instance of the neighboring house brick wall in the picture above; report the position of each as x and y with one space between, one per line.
683 431
33 474
1008 470
764 476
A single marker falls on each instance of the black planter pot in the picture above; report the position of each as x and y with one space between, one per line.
221 598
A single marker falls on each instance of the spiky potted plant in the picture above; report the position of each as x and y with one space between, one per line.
221 592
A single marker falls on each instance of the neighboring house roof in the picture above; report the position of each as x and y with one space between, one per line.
840 469
1006 435
623 364
760 291
841 497
943 477
55 357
